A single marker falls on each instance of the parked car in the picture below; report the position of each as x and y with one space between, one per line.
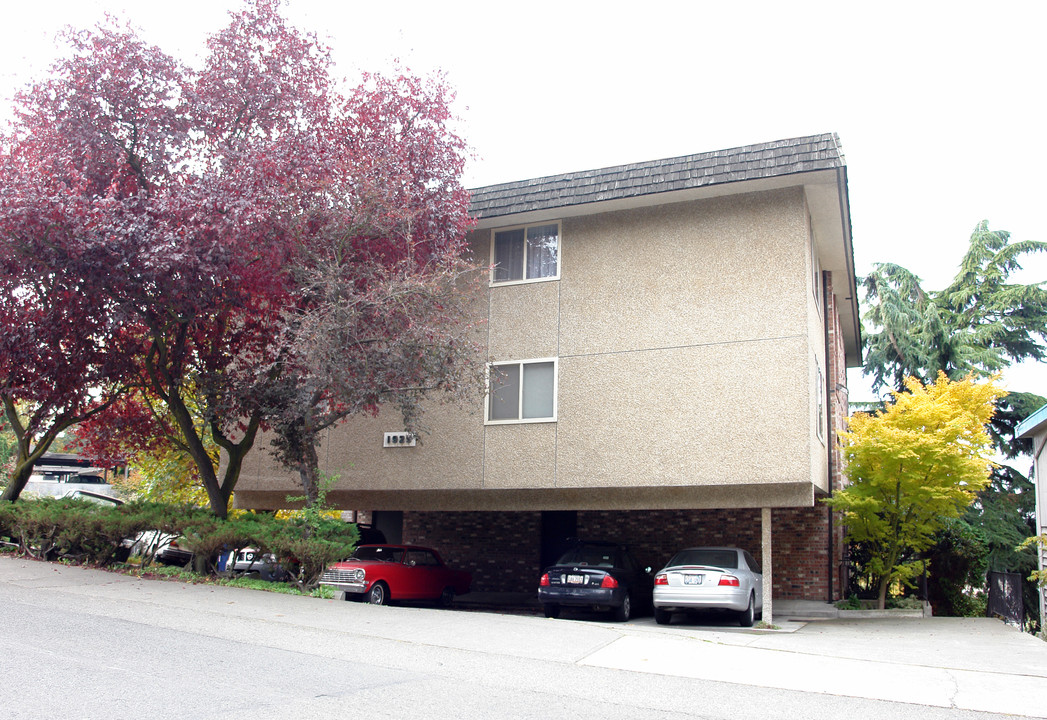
709 578
249 561
100 498
127 544
170 553
381 574
596 575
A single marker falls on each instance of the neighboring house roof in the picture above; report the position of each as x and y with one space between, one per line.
1029 426
751 162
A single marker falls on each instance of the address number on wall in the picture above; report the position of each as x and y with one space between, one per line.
398 439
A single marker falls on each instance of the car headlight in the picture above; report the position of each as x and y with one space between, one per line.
359 574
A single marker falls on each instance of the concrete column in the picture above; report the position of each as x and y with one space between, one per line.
765 554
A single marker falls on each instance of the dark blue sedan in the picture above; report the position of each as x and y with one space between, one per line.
601 576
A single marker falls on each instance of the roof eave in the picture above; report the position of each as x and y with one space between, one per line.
649 199
1029 426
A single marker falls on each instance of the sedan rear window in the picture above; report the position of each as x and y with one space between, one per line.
590 555
727 559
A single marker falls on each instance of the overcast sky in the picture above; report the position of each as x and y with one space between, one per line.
939 106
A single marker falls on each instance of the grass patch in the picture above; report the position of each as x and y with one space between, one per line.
324 592
167 572
256 584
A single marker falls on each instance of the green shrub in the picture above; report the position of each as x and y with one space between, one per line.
157 523
92 534
8 511
970 605
308 543
73 528
851 603
904 603
304 543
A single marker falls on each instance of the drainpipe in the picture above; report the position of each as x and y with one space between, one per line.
830 395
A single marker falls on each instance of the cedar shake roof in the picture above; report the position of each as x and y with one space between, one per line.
765 160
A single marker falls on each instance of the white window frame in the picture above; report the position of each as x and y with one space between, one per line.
520 420
523 281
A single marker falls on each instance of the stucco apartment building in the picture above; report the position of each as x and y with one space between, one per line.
667 344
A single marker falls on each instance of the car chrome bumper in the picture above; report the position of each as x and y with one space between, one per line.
346 587
676 598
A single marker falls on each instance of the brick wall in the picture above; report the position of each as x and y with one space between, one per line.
801 553
502 549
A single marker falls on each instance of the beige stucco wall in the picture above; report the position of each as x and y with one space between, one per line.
818 372
687 339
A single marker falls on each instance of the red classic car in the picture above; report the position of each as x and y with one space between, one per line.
381 573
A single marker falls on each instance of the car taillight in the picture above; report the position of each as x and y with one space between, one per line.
544 582
609 582
730 580
661 579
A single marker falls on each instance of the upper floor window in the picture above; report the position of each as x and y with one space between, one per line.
526 253
522 391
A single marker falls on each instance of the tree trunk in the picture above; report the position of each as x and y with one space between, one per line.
309 472
218 492
25 459
17 482
884 584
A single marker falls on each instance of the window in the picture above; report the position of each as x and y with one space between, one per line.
422 558
526 253
522 391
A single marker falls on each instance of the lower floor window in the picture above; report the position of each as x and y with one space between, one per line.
522 391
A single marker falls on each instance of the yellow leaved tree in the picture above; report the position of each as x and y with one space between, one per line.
912 465
167 475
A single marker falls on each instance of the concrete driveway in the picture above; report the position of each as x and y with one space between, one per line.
950 663
969 663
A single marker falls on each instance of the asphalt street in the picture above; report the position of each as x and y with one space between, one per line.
81 643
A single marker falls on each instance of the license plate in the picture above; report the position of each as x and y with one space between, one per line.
575 579
692 579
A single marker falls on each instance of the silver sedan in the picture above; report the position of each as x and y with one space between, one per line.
706 578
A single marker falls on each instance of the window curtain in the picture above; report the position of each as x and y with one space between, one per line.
543 246
538 381
505 392
509 255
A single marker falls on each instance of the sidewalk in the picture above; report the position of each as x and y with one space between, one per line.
527 604
962 663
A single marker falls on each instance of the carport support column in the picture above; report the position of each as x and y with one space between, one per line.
765 555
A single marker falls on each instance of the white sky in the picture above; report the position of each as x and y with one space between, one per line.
939 105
